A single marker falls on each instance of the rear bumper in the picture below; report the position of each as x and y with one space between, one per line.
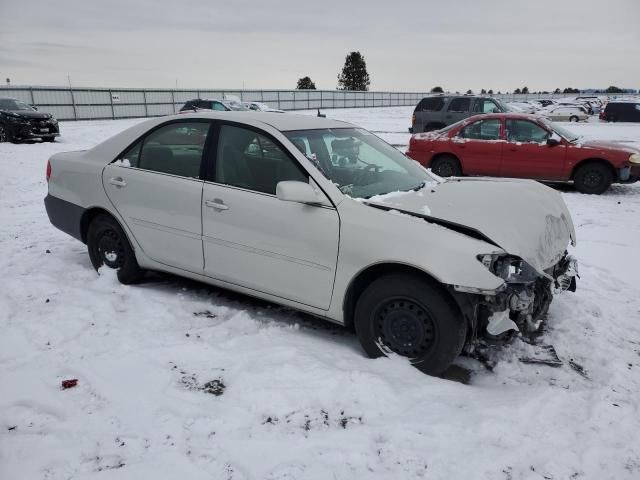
65 216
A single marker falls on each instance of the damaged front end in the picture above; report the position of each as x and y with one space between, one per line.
521 303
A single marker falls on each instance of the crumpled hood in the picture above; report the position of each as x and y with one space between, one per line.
523 217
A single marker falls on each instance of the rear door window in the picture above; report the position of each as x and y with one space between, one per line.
459 105
433 104
174 149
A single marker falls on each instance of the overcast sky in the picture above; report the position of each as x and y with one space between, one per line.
408 45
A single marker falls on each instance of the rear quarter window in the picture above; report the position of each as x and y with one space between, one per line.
434 104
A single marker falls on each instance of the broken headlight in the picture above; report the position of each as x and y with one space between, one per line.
510 268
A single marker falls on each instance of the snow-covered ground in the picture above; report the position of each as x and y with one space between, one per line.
296 398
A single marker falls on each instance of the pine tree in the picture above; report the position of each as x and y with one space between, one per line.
469 92
437 90
483 91
525 90
354 74
305 83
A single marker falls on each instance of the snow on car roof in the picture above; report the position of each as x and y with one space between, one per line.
288 122
278 121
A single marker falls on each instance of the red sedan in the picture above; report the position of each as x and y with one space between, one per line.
524 146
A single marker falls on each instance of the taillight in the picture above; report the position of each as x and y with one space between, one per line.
48 170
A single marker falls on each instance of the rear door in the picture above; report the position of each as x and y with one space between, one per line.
526 153
156 186
479 147
253 239
459 108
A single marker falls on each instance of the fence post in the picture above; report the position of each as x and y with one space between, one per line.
33 102
146 109
278 92
113 112
173 100
73 103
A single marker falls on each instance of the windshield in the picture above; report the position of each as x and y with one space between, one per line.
563 132
360 164
501 104
11 104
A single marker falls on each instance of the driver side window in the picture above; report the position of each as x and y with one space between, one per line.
482 130
525 131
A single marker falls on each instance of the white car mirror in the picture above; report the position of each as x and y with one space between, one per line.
299 192
554 139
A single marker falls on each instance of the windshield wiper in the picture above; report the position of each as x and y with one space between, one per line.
420 186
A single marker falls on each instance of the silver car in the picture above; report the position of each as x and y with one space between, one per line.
324 217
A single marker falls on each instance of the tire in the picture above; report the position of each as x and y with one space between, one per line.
446 166
49 139
408 315
108 245
593 178
5 136
611 118
573 118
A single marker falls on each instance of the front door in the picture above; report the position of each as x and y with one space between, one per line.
156 187
527 154
479 147
253 239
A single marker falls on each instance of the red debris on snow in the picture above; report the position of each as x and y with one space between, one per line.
69 383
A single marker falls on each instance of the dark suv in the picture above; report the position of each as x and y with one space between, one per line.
621 112
19 121
434 113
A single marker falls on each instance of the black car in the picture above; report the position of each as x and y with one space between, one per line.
19 121
211 104
621 112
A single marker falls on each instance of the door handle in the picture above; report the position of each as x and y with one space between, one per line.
118 182
216 204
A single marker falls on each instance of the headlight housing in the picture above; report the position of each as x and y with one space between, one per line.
635 159
510 268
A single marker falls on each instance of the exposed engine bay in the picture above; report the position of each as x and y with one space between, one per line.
522 304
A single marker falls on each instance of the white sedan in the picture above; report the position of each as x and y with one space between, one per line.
324 217
260 107
562 113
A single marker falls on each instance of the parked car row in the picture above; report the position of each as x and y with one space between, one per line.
524 146
325 217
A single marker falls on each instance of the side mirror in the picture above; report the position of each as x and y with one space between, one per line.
34 107
299 192
553 140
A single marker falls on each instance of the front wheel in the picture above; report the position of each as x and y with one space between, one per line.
573 119
446 166
108 245
593 178
409 316
5 136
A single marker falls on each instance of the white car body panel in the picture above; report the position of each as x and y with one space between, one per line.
281 248
307 256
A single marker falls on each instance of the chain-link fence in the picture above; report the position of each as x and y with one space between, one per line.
104 103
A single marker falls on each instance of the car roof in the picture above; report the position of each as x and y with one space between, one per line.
284 123
508 115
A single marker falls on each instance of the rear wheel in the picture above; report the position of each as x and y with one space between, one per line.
593 178
108 245
573 118
49 139
446 166
409 316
